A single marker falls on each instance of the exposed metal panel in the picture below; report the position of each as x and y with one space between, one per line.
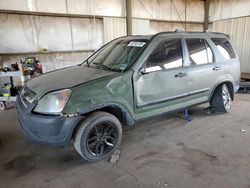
140 27
110 7
52 33
20 33
14 5
16 34
240 8
113 28
87 33
79 7
169 10
240 41
156 26
115 8
221 9
247 45
239 31
54 6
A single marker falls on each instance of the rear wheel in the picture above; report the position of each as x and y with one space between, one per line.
221 100
98 136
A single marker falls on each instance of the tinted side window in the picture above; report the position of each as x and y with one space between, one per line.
199 51
166 55
224 47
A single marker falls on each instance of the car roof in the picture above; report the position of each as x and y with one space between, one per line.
177 32
148 37
208 33
131 37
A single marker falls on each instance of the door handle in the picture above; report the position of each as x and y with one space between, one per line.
180 74
216 68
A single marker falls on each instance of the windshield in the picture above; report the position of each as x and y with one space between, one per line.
119 55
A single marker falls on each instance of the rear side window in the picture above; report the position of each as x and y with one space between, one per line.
200 52
166 55
224 47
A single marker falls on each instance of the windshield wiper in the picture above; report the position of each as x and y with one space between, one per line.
104 67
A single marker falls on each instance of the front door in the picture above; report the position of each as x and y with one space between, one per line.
162 85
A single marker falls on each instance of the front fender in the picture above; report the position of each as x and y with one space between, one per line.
113 92
129 120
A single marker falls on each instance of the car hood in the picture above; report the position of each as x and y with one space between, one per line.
65 78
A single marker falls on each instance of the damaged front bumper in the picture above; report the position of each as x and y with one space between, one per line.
46 129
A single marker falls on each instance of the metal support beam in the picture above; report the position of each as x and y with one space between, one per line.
172 21
129 16
32 13
206 17
48 52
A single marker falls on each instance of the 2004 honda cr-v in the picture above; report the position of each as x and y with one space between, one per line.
129 79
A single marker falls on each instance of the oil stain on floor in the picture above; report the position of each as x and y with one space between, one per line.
20 166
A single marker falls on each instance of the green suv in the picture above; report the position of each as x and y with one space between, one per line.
129 79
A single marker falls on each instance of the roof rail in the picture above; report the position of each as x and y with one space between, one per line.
178 30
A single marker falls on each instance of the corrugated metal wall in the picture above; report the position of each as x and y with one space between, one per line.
153 16
171 10
101 21
68 27
28 33
159 26
239 31
226 9
70 30
233 18
58 31
113 28
140 26
81 7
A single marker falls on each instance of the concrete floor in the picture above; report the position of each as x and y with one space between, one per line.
210 151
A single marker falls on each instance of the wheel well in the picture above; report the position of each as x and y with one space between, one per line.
230 88
117 112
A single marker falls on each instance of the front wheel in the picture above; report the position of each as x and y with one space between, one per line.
221 99
98 136
2 106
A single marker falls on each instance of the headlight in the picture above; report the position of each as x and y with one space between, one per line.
54 102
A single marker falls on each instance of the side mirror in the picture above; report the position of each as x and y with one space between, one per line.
142 71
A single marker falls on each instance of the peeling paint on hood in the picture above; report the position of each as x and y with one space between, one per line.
65 78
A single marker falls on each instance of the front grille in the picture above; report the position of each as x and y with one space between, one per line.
27 95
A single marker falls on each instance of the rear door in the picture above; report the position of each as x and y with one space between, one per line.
229 61
203 70
162 84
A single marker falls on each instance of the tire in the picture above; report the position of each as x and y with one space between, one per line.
2 106
221 99
98 136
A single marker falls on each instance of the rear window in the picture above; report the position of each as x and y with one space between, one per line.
224 47
200 52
